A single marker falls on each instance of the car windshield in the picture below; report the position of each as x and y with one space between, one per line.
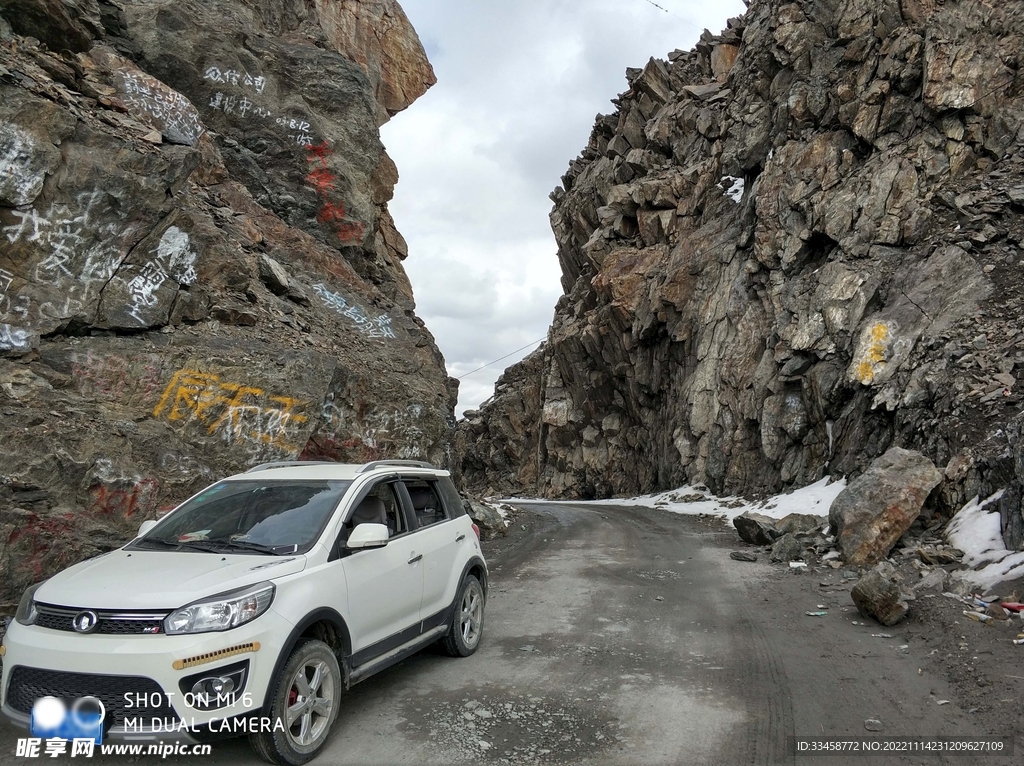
262 517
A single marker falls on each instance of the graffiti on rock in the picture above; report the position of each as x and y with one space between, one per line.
243 415
14 338
379 327
376 435
177 115
21 176
332 209
116 377
175 259
80 241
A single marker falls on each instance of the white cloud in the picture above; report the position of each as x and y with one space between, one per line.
519 85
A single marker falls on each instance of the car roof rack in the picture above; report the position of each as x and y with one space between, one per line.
289 464
410 463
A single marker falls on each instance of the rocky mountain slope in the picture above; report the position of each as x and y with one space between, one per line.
198 270
787 250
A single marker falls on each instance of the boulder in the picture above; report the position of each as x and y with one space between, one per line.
800 523
487 518
878 596
756 529
877 507
788 548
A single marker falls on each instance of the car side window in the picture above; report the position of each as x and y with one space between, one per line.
426 502
380 506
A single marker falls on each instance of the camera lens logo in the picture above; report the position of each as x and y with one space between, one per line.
51 719
85 622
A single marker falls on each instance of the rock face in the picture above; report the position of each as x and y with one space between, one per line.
877 507
198 271
786 251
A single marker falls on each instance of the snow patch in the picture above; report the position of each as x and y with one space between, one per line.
978 533
733 187
814 499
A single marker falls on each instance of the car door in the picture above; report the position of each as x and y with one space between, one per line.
439 541
385 585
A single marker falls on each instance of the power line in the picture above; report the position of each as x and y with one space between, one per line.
673 13
511 353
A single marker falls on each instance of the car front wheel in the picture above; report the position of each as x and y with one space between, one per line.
304 698
467 626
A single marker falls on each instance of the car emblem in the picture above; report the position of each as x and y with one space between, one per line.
85 622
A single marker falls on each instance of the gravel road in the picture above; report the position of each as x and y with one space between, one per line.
622 635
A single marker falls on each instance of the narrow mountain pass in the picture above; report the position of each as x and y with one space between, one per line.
619 635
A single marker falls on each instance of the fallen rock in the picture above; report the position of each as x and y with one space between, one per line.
934 580
799 523
788 548
743 556
878 597
871 514
756 529
939 554
487 518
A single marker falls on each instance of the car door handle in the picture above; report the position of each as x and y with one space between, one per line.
414 559
460 538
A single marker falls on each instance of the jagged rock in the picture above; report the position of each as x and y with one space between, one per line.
487 518
789 275
756 529
877 507
788 548
878 596
743 556
274 275
199 271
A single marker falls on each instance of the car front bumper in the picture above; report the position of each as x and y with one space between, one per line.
69 665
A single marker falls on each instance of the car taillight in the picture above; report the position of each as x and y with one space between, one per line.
476 531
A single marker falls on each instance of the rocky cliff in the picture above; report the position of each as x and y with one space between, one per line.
198 271
788 249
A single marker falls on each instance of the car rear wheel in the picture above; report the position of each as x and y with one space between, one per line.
305 700
467 626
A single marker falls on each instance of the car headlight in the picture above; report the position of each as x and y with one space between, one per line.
27 614
222 612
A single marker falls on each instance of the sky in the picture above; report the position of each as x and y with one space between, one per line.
519 85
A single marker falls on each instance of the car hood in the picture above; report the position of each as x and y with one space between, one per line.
159 580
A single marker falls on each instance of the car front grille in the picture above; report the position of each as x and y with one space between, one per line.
29 684
111 623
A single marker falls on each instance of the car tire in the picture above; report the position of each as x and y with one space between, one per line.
467 625
305 697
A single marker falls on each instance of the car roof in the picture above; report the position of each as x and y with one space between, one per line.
301 470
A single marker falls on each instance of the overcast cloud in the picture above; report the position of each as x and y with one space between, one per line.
519 85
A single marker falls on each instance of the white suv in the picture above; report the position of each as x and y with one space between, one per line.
253 605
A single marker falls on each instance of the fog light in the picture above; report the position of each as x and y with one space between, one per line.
215 686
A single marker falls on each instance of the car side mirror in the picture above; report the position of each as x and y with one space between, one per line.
146 526
368 536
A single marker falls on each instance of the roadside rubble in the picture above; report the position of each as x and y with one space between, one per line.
489 516
893 550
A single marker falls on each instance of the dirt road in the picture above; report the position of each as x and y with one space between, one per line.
628 636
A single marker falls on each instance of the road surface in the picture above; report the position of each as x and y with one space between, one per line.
622 635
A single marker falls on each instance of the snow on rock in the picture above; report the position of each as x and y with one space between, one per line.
813 499
734 187
978 534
